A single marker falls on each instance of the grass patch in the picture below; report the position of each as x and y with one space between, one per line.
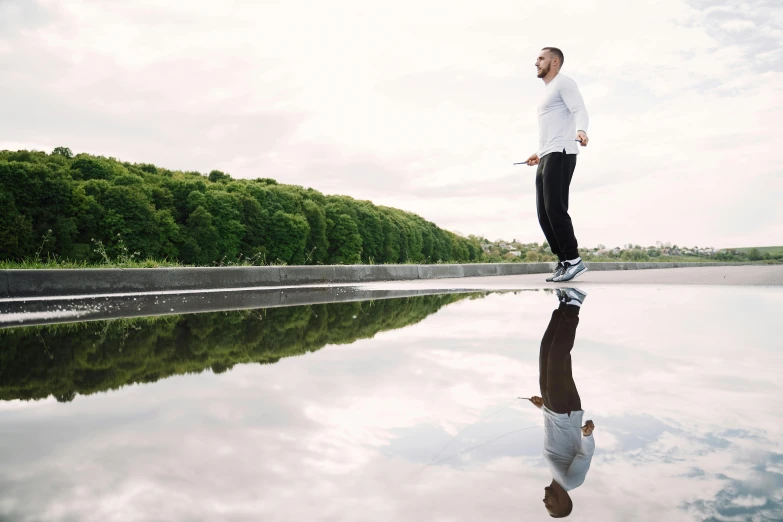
771 250
31 264
65 263
659 259
57 263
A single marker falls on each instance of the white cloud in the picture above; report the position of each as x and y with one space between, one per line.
737 25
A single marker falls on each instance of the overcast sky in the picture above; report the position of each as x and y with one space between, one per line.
413 104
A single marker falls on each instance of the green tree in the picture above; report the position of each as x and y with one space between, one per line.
156 212
345 243
254 219
201 243
370 227
317 246
16 230
225 208
287 238
63 151
634 254
86 167
216 176
130 214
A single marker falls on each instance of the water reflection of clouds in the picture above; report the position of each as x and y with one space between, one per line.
686 429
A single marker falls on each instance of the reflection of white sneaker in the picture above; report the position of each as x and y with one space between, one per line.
573 294
571 271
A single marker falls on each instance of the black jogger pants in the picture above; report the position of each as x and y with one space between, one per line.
554 362
553 180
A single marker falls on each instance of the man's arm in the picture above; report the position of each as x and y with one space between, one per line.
532 160
587 448
588 443
577 471
571 96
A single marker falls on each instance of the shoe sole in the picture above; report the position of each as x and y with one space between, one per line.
573 276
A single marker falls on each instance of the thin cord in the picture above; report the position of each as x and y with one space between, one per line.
463 430
483 444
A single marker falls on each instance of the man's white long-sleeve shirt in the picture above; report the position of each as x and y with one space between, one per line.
561 113
566 451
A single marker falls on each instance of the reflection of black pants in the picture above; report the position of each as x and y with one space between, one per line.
554 361
553 179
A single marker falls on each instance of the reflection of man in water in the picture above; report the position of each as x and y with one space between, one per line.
568 445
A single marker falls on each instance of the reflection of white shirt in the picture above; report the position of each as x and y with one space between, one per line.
566 451
561 113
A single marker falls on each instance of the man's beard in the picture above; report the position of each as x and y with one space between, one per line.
543 72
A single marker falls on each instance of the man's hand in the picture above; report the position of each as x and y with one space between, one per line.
582 138
537 401
532 160
588 428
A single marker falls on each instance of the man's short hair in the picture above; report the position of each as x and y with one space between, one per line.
557 52
564 510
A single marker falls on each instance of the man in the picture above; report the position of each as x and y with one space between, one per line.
561 116
568 446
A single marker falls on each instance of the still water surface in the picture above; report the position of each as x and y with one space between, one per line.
400 409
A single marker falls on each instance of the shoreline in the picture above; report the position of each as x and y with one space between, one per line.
31 283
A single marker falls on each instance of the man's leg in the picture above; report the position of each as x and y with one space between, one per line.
543 217
561 393
543 354
556 181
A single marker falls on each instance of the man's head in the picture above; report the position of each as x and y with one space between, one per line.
557 501
550 59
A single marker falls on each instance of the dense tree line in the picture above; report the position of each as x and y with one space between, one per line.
83 358
63 205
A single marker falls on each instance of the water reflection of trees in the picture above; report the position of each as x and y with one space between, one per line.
84 358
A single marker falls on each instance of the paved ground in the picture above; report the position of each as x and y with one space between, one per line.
767 275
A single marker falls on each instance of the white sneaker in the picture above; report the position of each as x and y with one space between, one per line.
556 273
570 271
574 294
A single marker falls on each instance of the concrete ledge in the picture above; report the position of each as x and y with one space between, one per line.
480 270
38 312
440 271
220 277
391 272
3 284
33 282
16 284
605 266
307 275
